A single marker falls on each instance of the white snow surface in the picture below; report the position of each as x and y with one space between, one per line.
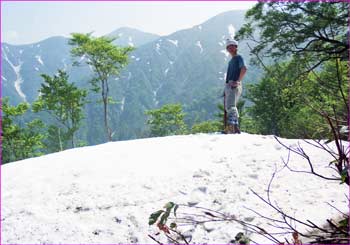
105 193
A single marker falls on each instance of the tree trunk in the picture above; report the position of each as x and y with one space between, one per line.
108 130
59 138
105 109
73 143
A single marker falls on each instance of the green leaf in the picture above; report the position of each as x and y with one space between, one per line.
344 223
164 218
343 176
154 216
169 205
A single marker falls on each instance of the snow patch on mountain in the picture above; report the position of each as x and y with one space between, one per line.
155 101
200 27
38 58
122 103
166 71
19 80
82 58
105 193
175 42
231 31
130 43
36 68
65 66
3 78
198 44
155 93
158 48
224 51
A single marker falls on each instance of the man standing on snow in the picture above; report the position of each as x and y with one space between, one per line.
233 88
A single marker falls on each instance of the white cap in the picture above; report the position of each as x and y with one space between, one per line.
231 42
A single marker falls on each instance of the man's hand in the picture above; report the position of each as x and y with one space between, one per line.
234 84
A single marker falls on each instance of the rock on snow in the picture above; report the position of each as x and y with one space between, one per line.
105 193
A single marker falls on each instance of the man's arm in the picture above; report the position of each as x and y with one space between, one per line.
242 73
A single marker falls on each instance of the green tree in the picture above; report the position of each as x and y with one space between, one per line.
64 102
206 127
316 29
292 108
306 38
167 120
19 140
105 59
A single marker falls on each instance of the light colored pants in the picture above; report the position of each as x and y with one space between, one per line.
231 98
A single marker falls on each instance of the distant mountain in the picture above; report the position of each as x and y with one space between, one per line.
22 64
132 37
185 67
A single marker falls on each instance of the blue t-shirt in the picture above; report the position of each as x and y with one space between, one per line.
234 68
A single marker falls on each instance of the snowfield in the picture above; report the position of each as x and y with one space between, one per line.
105 193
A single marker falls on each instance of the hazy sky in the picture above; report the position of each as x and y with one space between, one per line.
28 22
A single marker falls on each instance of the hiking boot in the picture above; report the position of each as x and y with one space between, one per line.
229 129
